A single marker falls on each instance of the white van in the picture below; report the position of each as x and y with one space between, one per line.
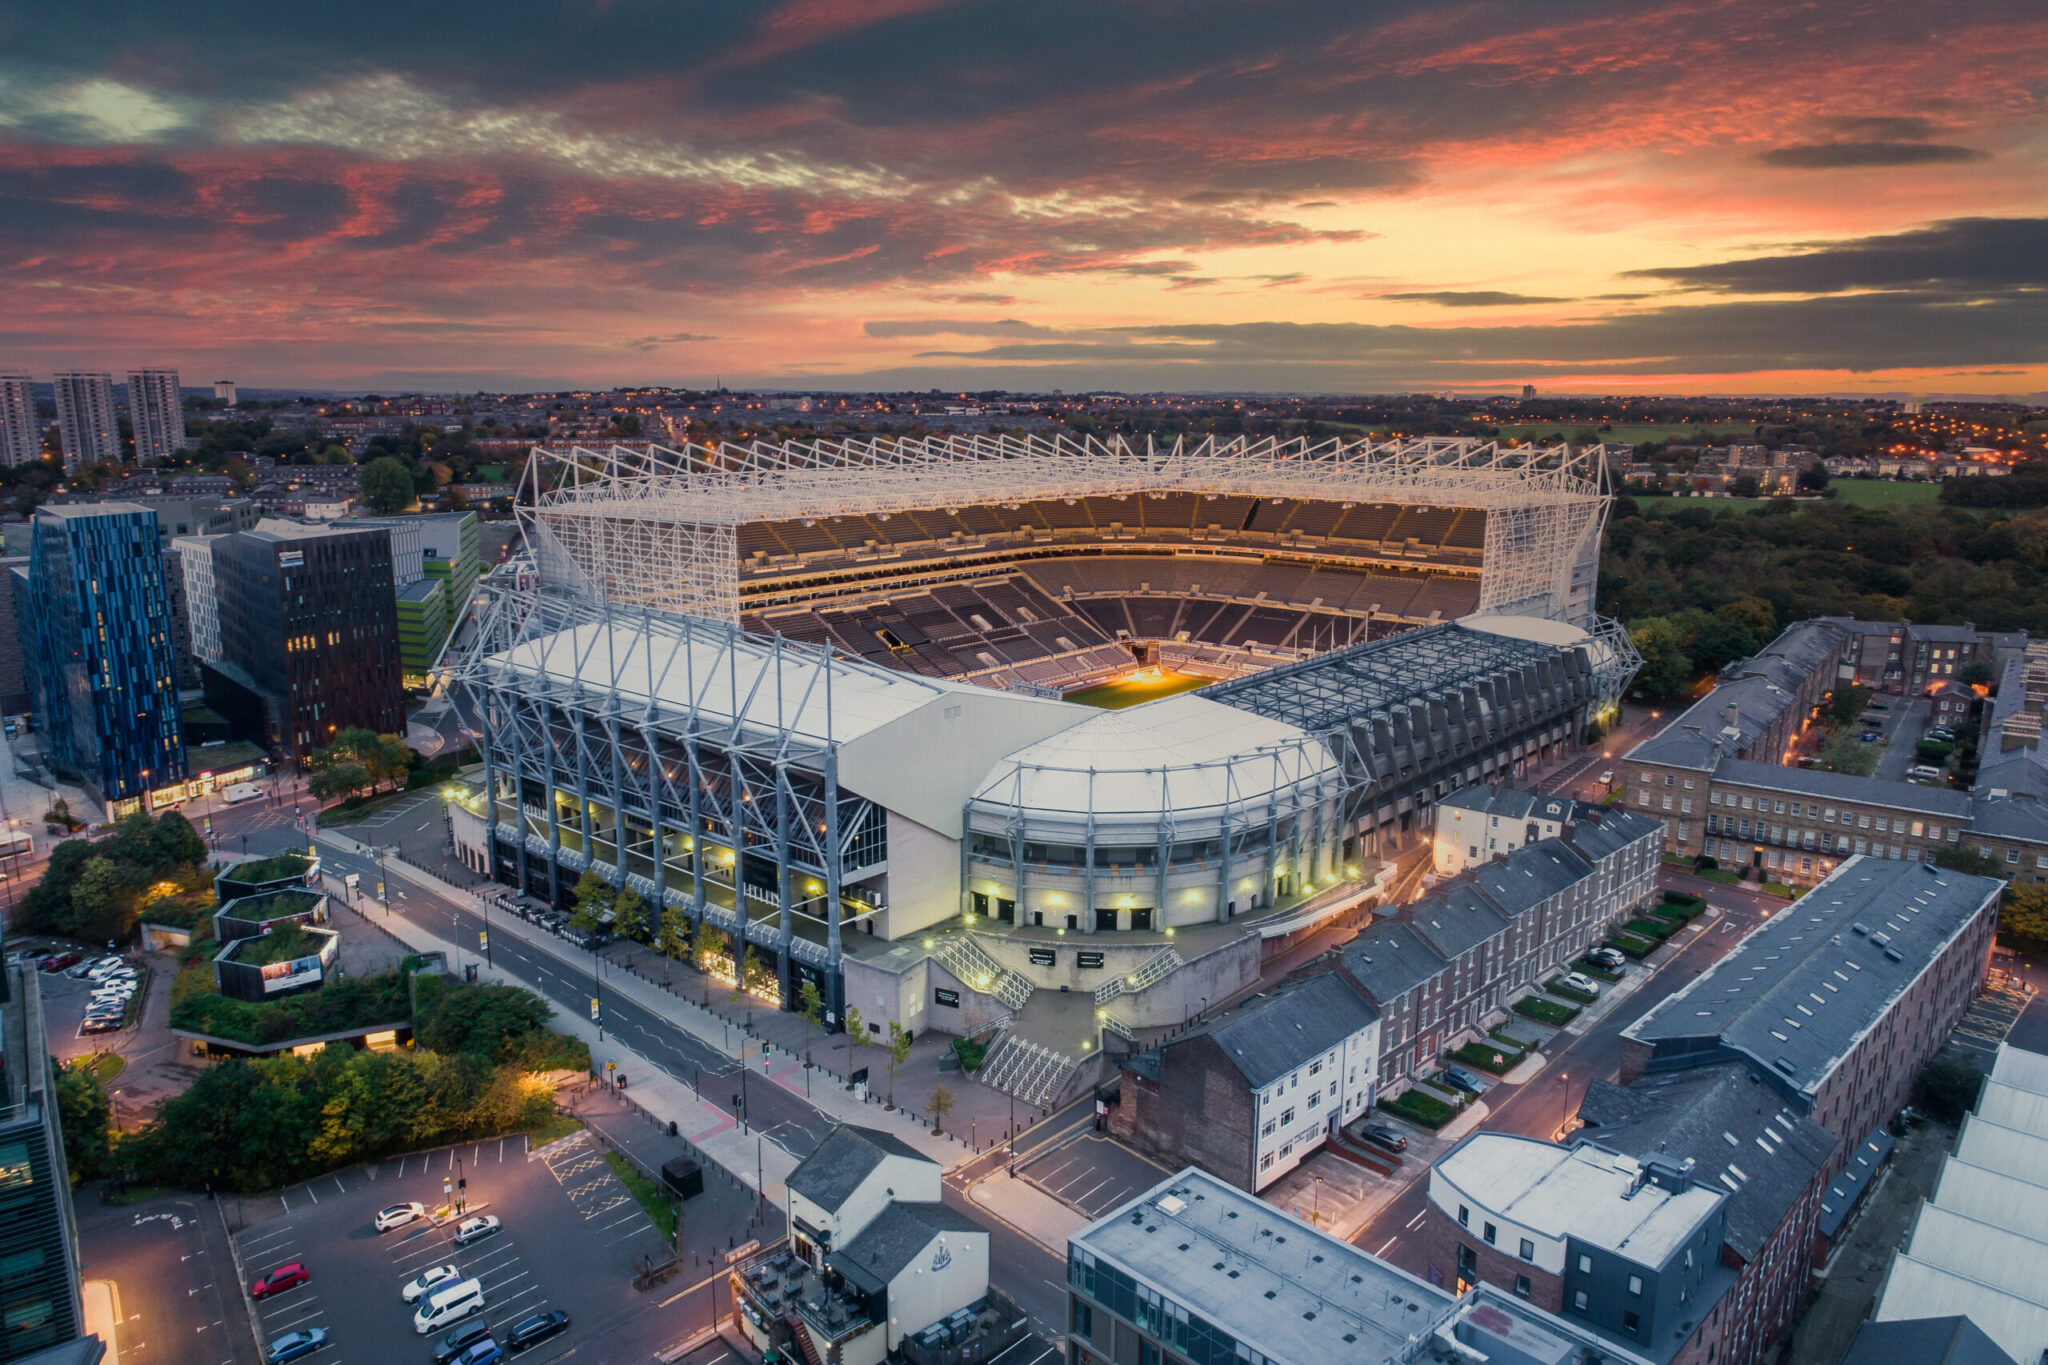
449 1305
240 792
1924 772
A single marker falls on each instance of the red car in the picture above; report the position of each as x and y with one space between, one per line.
277 1281
59 962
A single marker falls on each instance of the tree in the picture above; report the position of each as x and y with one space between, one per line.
756 976
856 1033
898 1048
629 915
1842 754
1813 478
85 1115
58 818
1846 703
1946 1088
672 940
1667 669
592 898
706 945
1969 860
811 1004
938 1106
2023 914
1744 486
102 902
387 485
1976 674
339 780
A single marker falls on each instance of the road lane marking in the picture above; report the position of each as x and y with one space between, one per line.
1390 1241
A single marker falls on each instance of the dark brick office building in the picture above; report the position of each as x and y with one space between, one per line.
308 633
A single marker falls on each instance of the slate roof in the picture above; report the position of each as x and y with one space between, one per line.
1672 1115
1801 988
1924 1341
1871 791
1456 919
1760 688
1848 1187
1509 803
1389 959
1529 876
894 1238
1610 830
1268 1038
848 1155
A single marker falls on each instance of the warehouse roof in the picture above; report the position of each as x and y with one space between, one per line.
1800 989
1924 1341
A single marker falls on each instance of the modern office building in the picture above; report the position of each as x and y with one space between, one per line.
192 559
308 634
86 422
39 1262
1838 1001
1252 1094
100 650
439 549
1198 1270
422 624
21 430
156 413
14 678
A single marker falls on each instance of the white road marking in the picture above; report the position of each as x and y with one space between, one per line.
1390 1241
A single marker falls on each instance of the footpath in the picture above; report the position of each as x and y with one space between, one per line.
709 1127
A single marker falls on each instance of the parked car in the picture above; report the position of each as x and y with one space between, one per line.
1580 982
79 971
460 1340
485 1352
1460 1079
427 1281
99 1023
448 1305
295 1345
532 1331
288 1276
398 1215
1926 772
1380 1135
57 962
1868 737
1607 778
1613 959
476 1229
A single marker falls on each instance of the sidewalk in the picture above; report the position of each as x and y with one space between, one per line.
707 1124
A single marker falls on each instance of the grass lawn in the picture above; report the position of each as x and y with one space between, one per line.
1482 1056
1545 1011
1886 492
1631 946
553 1129
651 1196
104 1066
1557 987
284 943
1149 685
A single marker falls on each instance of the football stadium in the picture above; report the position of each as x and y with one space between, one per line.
1024 738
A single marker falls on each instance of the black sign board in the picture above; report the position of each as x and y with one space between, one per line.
859 1077
946 997
1084 958
1043 957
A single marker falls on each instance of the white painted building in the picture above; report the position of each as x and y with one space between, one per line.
1478 823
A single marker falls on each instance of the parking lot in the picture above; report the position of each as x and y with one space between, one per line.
1093 1173
570 1235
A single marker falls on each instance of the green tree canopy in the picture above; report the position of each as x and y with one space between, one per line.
387 485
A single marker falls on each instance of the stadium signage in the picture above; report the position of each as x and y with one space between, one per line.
1084 958
945 997
1043 957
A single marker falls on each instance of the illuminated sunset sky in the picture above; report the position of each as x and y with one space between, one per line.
1693 196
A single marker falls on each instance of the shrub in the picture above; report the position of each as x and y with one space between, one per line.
970 1053
1632 947
1545 1011
1416 1107
1933 751
1946 1088
1652 928
350 1003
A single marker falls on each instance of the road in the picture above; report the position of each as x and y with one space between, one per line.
1539 1108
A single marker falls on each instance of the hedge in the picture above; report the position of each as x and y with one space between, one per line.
1632 947
351 1002
1481 1056
1596 971
1684 898
1556 986
1652 928
1417 1107
1545 1011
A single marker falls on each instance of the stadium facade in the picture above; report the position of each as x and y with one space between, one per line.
809 694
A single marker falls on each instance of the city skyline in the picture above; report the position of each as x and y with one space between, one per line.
1598 199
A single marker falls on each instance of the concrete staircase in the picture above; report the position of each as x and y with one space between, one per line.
969 961
1151 972
1017 1066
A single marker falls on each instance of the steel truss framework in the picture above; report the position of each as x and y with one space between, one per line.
707 754
657 527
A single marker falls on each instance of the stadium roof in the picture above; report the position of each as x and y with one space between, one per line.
1800 989
1181 754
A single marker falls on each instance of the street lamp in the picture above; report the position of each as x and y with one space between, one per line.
1564 1107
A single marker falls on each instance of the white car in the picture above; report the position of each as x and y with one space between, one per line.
1580 982
398 1215
427 1281
476 1229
